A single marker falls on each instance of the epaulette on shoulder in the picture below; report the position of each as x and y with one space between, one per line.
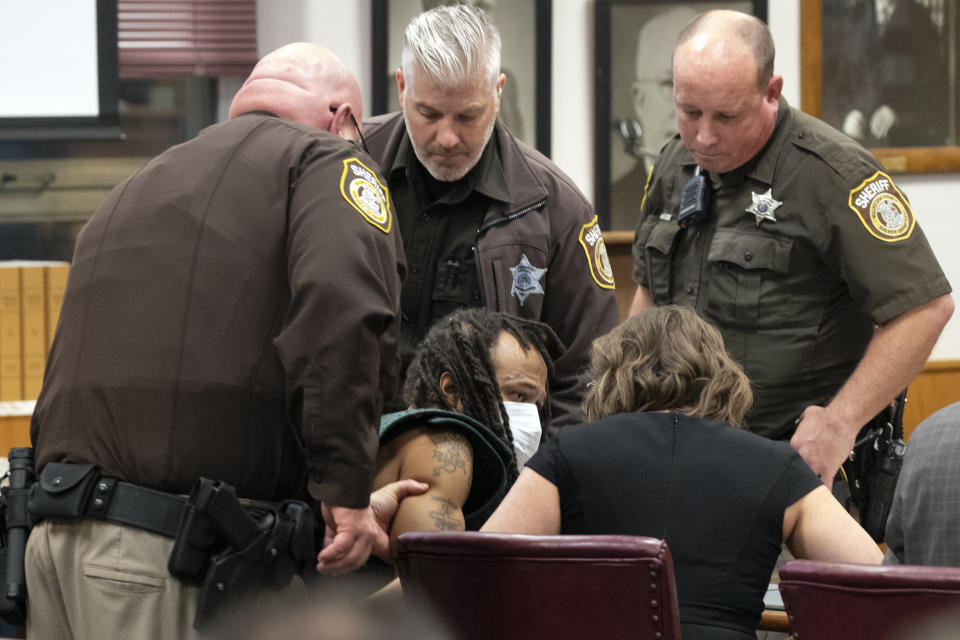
838 151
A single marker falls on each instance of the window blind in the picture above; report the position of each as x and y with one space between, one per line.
186 37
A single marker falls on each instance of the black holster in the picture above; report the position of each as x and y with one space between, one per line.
873 467
15 525
880 487
233 555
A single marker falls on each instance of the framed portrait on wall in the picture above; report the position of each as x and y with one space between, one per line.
885 72
634 112
524 27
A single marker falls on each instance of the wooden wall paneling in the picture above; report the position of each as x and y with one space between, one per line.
937 386
618 245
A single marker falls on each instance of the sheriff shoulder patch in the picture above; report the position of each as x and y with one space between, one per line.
591 239
361 188
882 208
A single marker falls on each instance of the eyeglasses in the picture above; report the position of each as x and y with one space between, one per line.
363 143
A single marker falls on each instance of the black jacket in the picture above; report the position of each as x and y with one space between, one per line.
550 222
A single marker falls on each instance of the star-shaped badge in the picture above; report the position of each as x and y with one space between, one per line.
526 279
763 206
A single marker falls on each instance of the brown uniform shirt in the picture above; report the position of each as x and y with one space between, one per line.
806 248
230 313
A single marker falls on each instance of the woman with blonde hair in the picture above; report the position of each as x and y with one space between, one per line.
660 457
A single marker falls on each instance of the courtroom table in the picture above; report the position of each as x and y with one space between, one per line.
774 620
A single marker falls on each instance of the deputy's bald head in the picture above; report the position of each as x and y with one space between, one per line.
299 82
725 34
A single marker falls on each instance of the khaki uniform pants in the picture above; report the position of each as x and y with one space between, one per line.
93 580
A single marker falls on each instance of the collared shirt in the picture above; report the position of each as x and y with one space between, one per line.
439 222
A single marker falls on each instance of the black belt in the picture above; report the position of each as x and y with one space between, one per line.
68 491
139 507
153 510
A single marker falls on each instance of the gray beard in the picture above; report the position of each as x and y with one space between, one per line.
449 174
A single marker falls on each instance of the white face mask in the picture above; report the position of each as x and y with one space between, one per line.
525 425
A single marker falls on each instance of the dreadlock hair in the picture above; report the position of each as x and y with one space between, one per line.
460 345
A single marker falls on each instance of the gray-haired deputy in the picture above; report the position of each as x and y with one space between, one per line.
485 219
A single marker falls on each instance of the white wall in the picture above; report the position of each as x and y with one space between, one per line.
345 28
571 128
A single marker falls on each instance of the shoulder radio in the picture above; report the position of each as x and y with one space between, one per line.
695 200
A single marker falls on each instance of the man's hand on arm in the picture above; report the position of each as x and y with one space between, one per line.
445 460
895 355
352 534
384 504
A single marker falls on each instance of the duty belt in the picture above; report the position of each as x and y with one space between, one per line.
136 506
79 491
216 542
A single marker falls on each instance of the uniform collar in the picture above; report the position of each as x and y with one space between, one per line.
522 166
762 166
487 177
259 112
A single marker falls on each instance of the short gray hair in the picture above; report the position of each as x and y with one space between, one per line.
451 45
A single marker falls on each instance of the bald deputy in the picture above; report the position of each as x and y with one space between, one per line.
231 313
808 257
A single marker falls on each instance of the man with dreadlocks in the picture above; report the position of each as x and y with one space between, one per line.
478 402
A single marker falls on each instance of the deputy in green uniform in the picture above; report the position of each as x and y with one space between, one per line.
807 257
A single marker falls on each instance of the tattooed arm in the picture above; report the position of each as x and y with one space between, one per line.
444 461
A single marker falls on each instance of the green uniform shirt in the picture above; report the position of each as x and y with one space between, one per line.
805 249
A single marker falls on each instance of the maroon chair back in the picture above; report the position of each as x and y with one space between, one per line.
505 586
827 601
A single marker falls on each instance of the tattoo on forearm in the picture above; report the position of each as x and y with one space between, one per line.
453 454
444 517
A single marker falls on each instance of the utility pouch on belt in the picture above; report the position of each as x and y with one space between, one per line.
234 555
66 490
15 525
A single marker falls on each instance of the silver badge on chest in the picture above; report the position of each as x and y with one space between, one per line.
526 279
763 206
